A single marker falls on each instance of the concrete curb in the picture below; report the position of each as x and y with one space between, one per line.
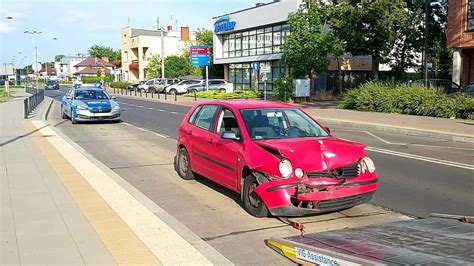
399 130
204 248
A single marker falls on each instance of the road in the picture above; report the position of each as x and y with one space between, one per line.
418 175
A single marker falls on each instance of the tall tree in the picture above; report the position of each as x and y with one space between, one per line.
104 51
206 37
438 54
368 27
311 42
175 66
59 57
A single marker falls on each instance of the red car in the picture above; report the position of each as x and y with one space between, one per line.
277 157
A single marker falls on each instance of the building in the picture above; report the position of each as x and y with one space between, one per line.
255 35
65 68
91 66
138 46
460 33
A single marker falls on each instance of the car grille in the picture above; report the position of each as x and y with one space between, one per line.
100 110
346 202
348 171
99 117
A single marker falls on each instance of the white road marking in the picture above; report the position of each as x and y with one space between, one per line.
147 130
422 158
149 108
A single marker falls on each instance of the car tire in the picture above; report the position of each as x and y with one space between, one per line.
184 165
73 120
173 91
222 90
63 114
152 90
253 204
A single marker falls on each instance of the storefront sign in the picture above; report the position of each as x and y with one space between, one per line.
224 24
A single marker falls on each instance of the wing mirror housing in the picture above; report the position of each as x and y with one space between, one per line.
113 97
328 130
229 135
68 97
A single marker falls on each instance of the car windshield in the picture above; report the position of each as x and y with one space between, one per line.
51 82
91 95
280 123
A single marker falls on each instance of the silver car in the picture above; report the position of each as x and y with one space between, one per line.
214 85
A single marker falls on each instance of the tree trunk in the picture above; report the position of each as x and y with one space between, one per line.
375 68
339 74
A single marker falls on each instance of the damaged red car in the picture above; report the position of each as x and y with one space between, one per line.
280 159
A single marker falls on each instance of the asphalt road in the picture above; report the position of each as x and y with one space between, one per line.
418 175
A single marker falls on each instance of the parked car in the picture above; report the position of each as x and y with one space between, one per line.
145 87
468 90
2 82
89 104
51 85
182 87
447 85
282 161
134 86
160 87
213 85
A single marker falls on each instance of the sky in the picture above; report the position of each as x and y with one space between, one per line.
79 24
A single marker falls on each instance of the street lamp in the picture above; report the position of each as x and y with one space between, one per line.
428 4
8 18
33 33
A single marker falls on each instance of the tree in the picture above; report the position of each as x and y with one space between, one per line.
438 53
310 44
59 57
104 51
206 37
369 27
153 69
175 66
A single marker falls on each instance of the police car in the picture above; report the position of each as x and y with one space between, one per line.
82 104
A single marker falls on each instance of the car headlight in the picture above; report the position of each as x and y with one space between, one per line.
285 168
80 107
366 164
116 108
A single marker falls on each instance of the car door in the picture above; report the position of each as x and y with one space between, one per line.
68 101
198 133
225 153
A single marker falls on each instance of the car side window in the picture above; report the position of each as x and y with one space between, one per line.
228 122
205 116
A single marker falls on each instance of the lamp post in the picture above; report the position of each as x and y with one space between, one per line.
33 33
46 63
428 4
162 53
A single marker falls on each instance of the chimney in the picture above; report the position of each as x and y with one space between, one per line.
169 28
185 33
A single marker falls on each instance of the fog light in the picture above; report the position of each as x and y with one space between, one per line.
299 173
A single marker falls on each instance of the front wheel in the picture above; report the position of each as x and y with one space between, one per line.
173 92
63 114
222 90
253 204
152 90
184 165
73 119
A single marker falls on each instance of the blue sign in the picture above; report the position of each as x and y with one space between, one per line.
224 24
255 66
200 56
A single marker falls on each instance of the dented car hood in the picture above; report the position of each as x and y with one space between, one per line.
315 154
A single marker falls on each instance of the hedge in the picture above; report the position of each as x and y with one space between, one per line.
119 85
408 99
237 94
94 79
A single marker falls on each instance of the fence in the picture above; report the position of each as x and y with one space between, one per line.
32 102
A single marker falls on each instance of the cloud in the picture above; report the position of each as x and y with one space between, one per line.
74 16
5 28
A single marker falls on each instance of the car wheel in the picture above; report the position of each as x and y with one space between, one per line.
63 114
152 90
222 90
253 204
173 92
73 119
143 90
184 165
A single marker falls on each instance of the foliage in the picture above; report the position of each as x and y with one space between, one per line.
153 69
119 85
94 79
104 51
283 89
408 99
175 66
237 94
307 49
438 54
206 37
59 57
368 27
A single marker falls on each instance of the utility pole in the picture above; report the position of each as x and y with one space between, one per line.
162 53
425 45
36 68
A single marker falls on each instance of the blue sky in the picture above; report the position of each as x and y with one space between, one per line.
78 24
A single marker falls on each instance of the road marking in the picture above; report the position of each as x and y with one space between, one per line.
421 158
176 113
147 130
149 108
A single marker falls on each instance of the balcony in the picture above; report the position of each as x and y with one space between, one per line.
134 65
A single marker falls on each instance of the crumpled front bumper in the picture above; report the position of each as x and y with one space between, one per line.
86 115
289 198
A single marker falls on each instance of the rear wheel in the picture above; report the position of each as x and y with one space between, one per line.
173 92
152 90
253 204
184 165
222 90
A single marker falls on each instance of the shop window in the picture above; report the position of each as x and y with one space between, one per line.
268 50
470 16
245 53
268 39
277 38
260 41
238 43
252 41
245 42
260 51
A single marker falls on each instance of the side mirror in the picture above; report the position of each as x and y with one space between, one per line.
328 130
68 97
229 135
113 97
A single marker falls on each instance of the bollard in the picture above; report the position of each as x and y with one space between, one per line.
285 96
135 91
166 95
140 93
121 91
175 97
194 95
114 90
152 95
158 95
146 94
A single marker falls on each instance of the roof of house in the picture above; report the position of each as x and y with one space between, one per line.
91 71
93 62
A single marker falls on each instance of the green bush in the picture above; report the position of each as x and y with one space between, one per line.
237 94
119 84
407 99
283 89
90 79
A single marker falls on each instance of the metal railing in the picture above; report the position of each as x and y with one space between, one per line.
32 102
135 92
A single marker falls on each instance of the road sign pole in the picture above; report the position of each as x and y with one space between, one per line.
265 87
36 71
207 78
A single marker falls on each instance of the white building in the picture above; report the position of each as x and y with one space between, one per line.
65 68
139 45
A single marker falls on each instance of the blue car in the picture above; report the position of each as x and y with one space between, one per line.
89 104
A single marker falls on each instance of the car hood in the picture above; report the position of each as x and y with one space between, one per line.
96 103
315 154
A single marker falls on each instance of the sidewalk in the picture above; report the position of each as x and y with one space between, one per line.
61 206
440 128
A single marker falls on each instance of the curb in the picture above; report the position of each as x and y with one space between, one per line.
200 245
400 130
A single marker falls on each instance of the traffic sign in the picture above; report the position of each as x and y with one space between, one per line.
265 68
255 65
36 67
200 55
264 77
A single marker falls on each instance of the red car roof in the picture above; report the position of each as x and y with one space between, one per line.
244 104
